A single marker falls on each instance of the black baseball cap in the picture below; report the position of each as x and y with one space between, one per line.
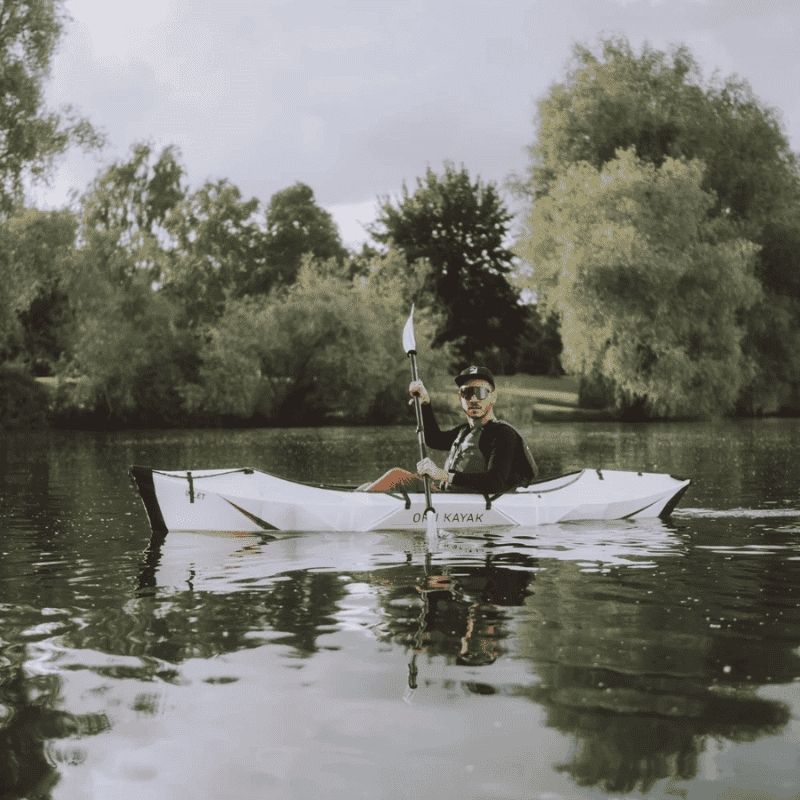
473 372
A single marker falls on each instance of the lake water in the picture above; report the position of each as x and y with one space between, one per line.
622 660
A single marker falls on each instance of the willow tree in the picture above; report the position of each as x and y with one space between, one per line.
649 286
660 104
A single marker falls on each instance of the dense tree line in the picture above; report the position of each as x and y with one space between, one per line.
157 304
660 248
181 311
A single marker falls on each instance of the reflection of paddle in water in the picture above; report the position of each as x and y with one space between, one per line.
462 609
413 671
477 650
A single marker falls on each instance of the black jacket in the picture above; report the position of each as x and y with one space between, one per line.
507 465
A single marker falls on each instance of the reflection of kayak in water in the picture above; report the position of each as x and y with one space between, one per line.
183 559
249 500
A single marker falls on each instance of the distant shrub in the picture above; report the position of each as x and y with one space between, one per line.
324 349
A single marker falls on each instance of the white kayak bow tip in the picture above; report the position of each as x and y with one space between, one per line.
409 343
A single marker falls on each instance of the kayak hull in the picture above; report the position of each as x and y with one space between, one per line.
248 500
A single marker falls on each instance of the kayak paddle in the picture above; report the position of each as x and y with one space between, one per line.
410 346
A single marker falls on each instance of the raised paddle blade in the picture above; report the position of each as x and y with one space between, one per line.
410 346
409 343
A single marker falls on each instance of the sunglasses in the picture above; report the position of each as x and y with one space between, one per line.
480 392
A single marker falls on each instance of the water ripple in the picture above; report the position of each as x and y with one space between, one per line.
737 513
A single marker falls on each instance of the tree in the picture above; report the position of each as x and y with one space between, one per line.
131 351
659 104
219 249
460 227
36 253
31 135
125 211
30 138
295 226
649 286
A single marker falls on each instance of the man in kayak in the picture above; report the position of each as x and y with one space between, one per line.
485 455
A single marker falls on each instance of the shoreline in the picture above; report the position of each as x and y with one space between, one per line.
524 401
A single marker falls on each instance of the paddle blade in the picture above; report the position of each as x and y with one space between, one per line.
431 531
409 343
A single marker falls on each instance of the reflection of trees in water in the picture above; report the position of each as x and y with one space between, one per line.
631 662
28 720
630 737
640 667
630 667
161 631
663 448
166 629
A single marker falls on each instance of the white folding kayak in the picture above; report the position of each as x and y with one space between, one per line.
245 499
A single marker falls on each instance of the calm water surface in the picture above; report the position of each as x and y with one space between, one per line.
622 660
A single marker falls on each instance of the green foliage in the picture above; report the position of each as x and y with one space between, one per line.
230 381
36 250
773 340
31 135
131 348
219 248
773 349
168 326
650 289
460 227
539 347
125 213
658 103
324 348
129 358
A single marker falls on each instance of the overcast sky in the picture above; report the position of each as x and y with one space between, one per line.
353 97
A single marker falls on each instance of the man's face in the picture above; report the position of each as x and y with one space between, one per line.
477 397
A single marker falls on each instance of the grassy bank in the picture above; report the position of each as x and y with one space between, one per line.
523 399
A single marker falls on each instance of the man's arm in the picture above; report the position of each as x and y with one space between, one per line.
435 437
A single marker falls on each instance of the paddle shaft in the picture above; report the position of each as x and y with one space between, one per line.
423 450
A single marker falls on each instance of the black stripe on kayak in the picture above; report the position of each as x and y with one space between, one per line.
666 511
670 506
252 517
143 479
